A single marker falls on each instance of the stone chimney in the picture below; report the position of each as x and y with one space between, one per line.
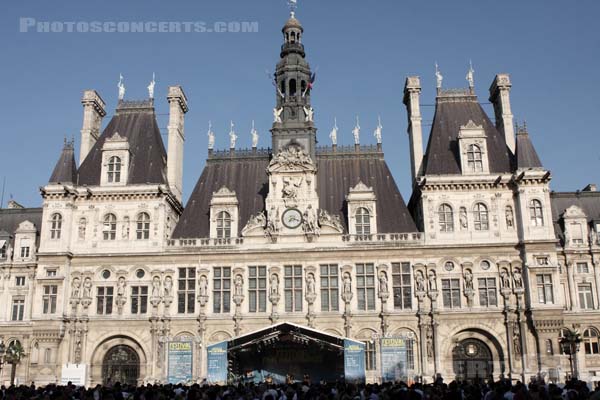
412 92
500 98
177 109
93 112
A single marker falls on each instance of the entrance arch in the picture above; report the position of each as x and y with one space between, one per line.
121 364
472 360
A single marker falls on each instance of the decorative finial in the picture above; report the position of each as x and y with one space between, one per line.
470 77
211 136
378 130
334 132
356 131
232 137
151 86
254 134
438 76
293 5
121 87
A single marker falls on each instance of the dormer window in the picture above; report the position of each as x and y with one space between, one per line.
3 246
224 214
223 225
446 216
536 213
114 170
474 159
143 226
363 222
481 217
109 230
55 226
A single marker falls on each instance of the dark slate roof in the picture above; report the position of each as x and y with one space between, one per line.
453 111
65 170
336 175
135 121
526 155
10 218
589 202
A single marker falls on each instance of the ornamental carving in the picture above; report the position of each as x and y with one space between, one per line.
292 158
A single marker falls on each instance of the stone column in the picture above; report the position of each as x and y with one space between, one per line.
238 298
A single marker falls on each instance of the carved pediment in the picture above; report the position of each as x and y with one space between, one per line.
360 187
224 192
116 138
471 125
574 212
293 158
26 226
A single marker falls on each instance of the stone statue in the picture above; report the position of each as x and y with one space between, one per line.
75 288
438 76
518 278
156 286
377 132
593 237
505 279
232 137
516 340
383 283
254 134
256 221
510 220
274 285
211 137
347 283
81 229
356 132
420 282
151 87
277 115
121 286
464 222
470 77
239 286
125 232
291 187
273 222
203 284
430 351
310 284
333 221
87 288
310 221
334 132
168 285
468 280
432 281
121 87
310 113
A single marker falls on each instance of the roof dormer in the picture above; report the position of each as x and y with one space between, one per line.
115 161
473 149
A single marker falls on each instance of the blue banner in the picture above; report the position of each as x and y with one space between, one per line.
217 363
180 361
393 359
354 361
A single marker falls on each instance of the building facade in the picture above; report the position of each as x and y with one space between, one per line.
482 270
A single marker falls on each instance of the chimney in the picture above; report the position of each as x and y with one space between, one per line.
93 112
412 91
500 98
177 109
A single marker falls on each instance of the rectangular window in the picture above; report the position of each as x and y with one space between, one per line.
487 292
49 299
582 268
139 299
25 252
18 309
293 287
586 301
222 290
365 286
544 288
257 289
104 300
19 281
370 355
402 286
3 248
329 287
451 293
50 273
186 290
576 233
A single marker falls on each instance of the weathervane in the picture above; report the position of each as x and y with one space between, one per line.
293 5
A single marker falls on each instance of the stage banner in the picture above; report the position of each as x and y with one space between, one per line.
217 363
354 361
180 361
393 359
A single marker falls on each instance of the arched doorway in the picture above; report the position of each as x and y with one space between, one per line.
121 364
472 360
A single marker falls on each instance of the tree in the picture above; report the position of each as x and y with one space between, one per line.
14 354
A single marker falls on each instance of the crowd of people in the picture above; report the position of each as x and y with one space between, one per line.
501 390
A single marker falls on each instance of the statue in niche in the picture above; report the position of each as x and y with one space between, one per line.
310 221
81 228
468 280
510 219
274 285
464 223
432 282
429 336
420 282
518 278
168 286
516 340
239 286
87 288
125 233
76 288
156 286
203 283
121 287
347 283
383 283
505 279
310 284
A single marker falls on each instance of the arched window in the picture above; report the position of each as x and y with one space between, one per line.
446 217
143 226
363 222
481 217
590 341
109 230
114 170
55 226
292 87
223 225
474 159
536 213
303 86
283 87
293 37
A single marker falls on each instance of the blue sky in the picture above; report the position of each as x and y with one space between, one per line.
363 51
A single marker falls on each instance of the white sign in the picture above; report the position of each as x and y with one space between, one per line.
75 373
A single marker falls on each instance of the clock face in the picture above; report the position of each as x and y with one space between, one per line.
292 218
